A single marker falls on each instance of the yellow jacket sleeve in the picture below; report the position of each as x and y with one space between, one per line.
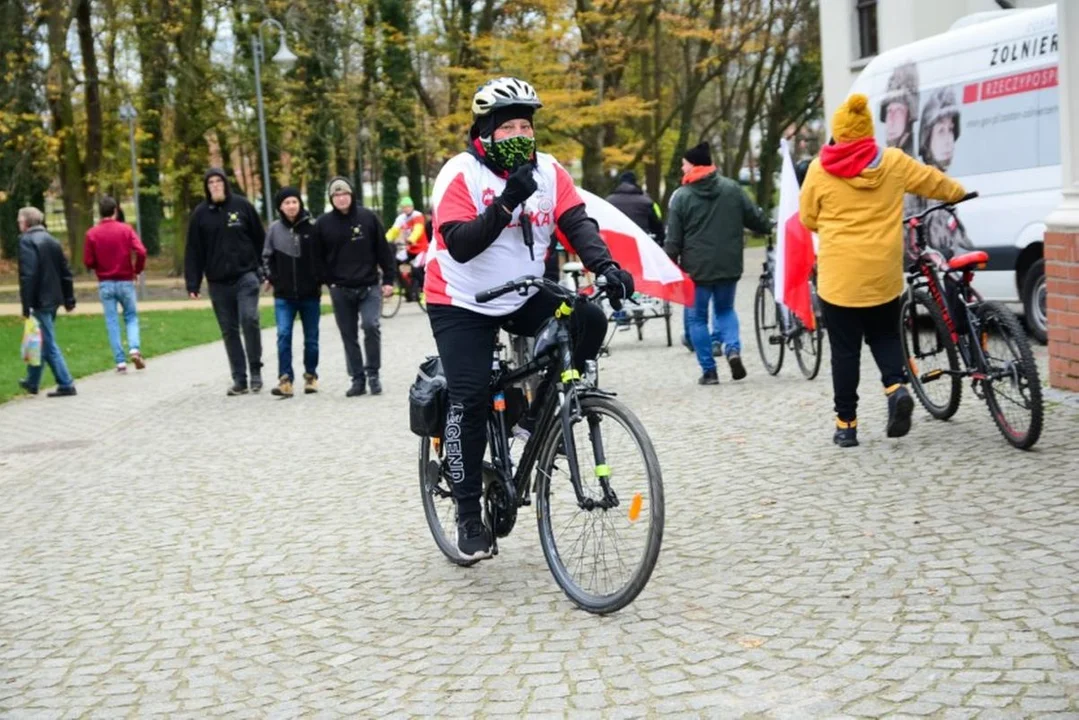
417 233
809 199
927 181
392 233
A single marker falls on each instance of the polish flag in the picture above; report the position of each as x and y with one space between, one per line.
653 272
795 252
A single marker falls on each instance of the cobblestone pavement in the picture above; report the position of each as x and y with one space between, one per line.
167 550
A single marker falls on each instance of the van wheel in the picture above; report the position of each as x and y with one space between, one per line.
1034 294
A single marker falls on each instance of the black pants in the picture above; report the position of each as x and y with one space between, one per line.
465 341
236 305
354 308
879 325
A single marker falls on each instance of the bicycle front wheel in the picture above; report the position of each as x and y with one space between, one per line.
808 348
1013 390
766 319
601 558
391 304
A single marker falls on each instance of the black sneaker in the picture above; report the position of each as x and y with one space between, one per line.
710 377
25 385
256 383
900 407
473 540
738 370
846 437
359 387
237 388
375 385
67 391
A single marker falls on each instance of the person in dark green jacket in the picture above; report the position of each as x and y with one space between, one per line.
705 236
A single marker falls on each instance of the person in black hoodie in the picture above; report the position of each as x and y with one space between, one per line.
638 207
351 247
225 238
290 266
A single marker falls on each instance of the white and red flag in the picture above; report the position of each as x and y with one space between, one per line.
653 272
795 252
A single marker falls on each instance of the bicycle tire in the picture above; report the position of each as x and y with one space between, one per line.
448 545
907 324
810 366
763 300
601 604
1023 359
392 304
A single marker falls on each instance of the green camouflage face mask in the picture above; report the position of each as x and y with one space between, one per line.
513 152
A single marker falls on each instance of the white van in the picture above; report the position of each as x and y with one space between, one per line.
981 102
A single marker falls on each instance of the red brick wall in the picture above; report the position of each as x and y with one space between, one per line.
1062 279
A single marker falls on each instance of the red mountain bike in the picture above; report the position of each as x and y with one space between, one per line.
944 321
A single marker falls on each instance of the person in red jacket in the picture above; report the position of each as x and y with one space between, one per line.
114 251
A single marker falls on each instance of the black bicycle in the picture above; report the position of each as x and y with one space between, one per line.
590 463
778 328
945 322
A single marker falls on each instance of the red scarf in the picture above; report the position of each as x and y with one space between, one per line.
847 160
697 172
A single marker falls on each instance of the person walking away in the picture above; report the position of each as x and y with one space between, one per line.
631 201
290 267
705 235
410 228
853 199
225 239
45 284
351 247
115 253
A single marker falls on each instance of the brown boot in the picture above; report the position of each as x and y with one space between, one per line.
284 387
310 383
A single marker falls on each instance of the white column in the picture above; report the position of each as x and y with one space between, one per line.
1066 217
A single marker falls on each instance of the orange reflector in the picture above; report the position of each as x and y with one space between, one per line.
913 366
500 405
933 374
635 507
437 443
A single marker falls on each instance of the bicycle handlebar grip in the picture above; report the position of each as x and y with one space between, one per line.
969 196
489 295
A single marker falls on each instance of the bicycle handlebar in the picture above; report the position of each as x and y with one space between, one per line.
940 206
523 283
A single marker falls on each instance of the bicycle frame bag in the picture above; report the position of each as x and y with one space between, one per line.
428 399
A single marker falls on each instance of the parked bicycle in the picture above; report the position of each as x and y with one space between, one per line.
951 333
406 287
779 329
590 463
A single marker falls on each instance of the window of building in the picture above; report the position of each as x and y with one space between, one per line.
867 28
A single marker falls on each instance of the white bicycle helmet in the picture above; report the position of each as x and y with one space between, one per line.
503 92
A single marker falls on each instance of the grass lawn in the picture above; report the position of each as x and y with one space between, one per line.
86 345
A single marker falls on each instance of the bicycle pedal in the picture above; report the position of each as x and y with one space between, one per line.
774 340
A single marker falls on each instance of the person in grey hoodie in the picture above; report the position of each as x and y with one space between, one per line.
290 265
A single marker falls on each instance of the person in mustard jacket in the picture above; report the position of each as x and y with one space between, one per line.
853 199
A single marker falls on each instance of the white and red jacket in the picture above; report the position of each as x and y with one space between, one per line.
464 191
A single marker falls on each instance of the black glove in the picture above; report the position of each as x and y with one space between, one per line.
70 305
519 187
619 286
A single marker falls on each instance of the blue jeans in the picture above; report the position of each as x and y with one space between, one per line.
685 326
726 322
122 292
310 313
50 354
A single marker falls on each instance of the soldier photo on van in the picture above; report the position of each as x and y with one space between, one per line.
899 108
938 131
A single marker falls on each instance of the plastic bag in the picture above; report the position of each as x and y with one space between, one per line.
31 342
427 399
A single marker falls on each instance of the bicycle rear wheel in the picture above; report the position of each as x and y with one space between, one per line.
438 505
1013 390
391 304
601 558
808 348
931 357
766 319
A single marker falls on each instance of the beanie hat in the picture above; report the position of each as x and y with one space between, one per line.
852 120
699 155
628 177
406 200
509 112
285 193
340 185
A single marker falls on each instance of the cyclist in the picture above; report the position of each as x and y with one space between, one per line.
478 202
410 228
853 198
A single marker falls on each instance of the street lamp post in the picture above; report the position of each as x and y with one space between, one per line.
363 137
285 59
128 115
